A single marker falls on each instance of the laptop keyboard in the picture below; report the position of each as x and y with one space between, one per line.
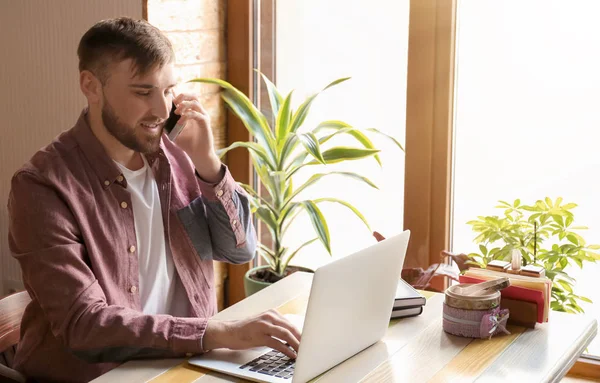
272 363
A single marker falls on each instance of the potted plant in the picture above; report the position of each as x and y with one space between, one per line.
545 235
279 150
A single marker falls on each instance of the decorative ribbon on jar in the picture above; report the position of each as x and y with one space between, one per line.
475 323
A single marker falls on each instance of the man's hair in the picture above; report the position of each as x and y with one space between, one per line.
114 40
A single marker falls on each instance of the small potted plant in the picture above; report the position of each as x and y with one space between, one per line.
544 234
278 151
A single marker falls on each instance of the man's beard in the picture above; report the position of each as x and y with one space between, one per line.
126 135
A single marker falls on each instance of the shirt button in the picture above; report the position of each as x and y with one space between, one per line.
234 222
120 178
107 182
133 289
124 205
132 249
219 193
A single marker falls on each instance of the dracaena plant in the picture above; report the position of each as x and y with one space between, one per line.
280 149
545 236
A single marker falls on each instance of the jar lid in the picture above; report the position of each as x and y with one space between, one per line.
454 298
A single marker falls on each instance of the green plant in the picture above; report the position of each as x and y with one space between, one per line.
545 236
279 150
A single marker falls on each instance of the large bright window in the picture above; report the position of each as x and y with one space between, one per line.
527 126
316 42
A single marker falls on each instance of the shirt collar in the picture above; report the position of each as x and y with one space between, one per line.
104 167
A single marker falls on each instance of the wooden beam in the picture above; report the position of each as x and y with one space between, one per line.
239 74
145 10
429 122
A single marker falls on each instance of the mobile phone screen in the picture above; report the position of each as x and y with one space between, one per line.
172 120
172 125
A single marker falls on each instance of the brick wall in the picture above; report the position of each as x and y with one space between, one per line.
197 30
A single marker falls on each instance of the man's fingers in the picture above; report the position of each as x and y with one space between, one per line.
184 96
285 335
277 345
188 101
282 321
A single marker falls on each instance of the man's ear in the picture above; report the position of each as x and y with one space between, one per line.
90 86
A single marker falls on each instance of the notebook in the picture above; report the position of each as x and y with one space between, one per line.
406 312
407 296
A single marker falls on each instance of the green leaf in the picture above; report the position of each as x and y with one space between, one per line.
270 259
588 300
517 203
569 206
289 190
267 216
568 221
344 153
558 219
341 127
263 174
251 117
573 239
579 227
303 109
254 149
292 255
316 177
349 206
282 123
566 286
319 223
274 95
398 144
311 144
257 197
483 250
336 82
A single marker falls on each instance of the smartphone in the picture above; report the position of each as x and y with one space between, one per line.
172 126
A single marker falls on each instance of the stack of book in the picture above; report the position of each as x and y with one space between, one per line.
527 297
408 302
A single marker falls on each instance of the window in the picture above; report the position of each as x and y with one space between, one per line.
526 121
316 43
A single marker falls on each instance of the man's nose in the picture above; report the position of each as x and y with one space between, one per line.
162 106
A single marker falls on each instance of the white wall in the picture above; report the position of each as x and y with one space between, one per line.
39 91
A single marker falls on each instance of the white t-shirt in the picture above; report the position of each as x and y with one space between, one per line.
161 290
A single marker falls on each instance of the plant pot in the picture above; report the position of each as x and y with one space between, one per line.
253 285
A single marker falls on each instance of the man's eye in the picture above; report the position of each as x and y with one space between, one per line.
143 93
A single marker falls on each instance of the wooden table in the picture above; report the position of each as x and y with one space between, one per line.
413 349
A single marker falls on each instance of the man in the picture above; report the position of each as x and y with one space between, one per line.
116 227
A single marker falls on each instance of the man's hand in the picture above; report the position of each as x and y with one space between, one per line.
254 332
196 139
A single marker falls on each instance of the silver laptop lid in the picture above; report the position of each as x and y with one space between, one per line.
349 306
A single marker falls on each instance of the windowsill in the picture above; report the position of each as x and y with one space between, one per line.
586 367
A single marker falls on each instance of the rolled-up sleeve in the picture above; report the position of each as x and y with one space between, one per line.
45 238
227 209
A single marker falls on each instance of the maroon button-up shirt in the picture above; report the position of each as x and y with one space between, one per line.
71 229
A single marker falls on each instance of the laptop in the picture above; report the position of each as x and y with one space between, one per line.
348 310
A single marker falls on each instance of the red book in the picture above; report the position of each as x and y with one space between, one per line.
517 293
